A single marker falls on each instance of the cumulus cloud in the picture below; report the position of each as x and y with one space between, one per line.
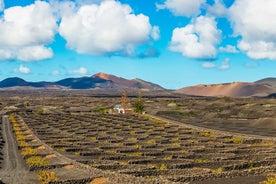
83 2
24 70
229 49
218 9
208 65
253 21
155 33
108 28
24 33
197 40
187 8
225 64
62 8
2 5
80 71
34 53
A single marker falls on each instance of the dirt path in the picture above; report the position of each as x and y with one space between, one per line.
14 170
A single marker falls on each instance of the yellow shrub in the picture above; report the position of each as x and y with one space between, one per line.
47 176
270 180
28 151
37 161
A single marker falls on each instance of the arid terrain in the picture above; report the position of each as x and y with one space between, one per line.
67 137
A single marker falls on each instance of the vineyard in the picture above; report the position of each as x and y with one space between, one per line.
65 146
151 148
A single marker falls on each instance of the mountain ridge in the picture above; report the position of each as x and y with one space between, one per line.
100 80
270 80
261 88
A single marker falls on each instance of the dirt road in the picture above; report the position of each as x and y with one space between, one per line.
14 170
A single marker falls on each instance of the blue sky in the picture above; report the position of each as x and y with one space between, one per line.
174 43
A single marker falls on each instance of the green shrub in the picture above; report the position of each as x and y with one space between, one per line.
139 104
237 140
40 111
102 110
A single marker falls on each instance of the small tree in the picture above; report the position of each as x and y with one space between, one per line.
124 101
139 105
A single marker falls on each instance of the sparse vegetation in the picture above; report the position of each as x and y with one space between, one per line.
37 161
45 176
207 134
150 147
135 154
124 100
217 171
102 110
237 140
271 179
40 112
28 151
200 160
139 104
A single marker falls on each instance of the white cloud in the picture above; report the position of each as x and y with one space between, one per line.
155 33
62 8
108 28
258 49
225 64
187 8
83 2
254 21
197 40
208 65
27 29
6 54
24 70
34 53
218 9
81 71
2 5
229 49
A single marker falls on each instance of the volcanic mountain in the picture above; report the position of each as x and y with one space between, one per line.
235 89
97 81
269 81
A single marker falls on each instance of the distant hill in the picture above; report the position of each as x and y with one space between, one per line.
270 81
273 95
119 82
102 81
236 89
97 81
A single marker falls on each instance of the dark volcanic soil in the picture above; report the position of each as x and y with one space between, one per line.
237 180
14 170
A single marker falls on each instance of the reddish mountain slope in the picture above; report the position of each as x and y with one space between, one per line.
236 89
119 82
